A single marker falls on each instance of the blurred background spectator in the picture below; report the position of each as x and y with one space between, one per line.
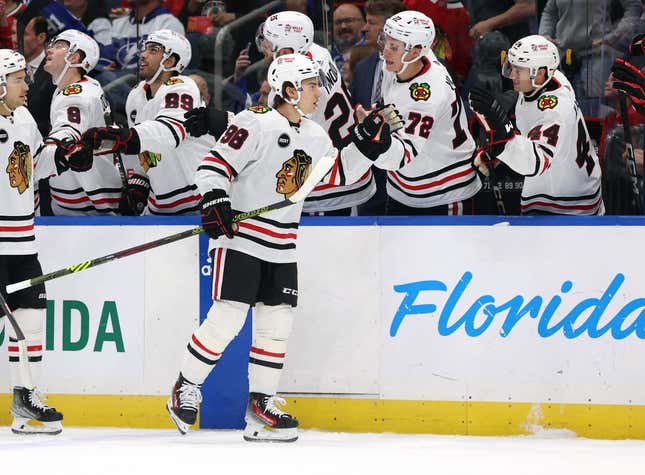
593 33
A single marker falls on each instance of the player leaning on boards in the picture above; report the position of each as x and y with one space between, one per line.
265 154
78 104
549 143
435 146
19 141
163 156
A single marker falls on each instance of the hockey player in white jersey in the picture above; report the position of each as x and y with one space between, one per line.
164 157
293 32
435 146
78 104
264 156
549 143
19 142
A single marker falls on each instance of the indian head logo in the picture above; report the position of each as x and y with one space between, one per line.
547 102
149 160
19 167
293 174
420 92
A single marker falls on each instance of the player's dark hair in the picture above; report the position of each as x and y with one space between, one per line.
279 99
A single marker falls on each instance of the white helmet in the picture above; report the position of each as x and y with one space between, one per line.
173 43
532 52
79 41
10 62
289 30
291 68
413 28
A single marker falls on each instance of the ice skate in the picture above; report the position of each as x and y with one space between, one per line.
266 423
32 416
183 402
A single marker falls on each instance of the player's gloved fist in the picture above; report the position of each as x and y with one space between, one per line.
217 215
202 120
111 140
488 108
372 135
637 45
135 198
629 79
61 155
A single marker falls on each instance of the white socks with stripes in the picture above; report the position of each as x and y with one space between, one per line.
224 321
31 322
271 330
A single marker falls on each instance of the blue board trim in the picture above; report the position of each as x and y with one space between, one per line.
357 220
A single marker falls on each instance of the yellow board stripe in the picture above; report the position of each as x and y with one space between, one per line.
598 421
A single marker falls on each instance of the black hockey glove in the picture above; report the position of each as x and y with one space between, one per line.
71 155
493 118
135 198
631 81
637 45
217 216
373 136
202 120
108 140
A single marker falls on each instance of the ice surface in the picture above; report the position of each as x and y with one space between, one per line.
135 451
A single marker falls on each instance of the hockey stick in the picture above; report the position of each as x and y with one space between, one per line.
492 176
22 344
629 148
319 171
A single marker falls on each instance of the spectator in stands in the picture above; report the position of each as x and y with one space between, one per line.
151 16
94 16
8 11
593 36
511 17
368 73
355 55
453 45
34 41
347 31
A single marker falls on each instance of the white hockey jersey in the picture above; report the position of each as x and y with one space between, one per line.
435 145
19 142
336 115
263 159
169 156
74 109
561 168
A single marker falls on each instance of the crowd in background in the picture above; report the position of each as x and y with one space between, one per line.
472 37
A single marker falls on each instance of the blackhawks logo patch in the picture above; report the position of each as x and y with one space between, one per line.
547 102
259 109
72 89
172 81
420 92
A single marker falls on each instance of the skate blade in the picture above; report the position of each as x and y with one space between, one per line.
31 427
261 433
182 427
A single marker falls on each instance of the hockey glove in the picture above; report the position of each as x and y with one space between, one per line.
493 118
631 81
372 136
217 216
108 140
70 155
135 198
202 120
637 45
